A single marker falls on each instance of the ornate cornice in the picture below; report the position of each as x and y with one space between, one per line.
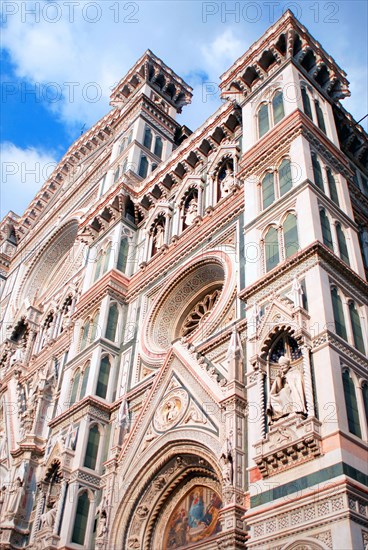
319 252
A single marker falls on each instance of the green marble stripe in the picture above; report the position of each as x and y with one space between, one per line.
297 486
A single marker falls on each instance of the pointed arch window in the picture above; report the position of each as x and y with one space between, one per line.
278 107
98 266
365 398
263 120
351 404
326 229
123 255
338 314
85 332
272 254
107 258
81 519
90 458
103 377
116 174
317 172
356 327
332 186
75 386
320 118
84 381
147 141
268 190
94 329
306 104
285 179
158 147
291 241
343 249
112 322
143 166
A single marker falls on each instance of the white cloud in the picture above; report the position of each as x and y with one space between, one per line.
23 171
221 53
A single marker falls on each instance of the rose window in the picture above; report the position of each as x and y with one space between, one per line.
198 315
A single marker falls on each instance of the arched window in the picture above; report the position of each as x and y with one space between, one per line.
103 377
263 120
343 249
85 332
143 167
130 138
123 255
107 258
285 179
351 404
332 186
320 119
84 381
356 327
317 172
116 174
306 104
98 265
326 229
290 235
338 314
278 107
147 141
272 254
75 386
90 457
365 397
112 322
158 147
122 146
81 519
268 190
95 325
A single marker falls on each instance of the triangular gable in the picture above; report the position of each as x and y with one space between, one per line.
194 405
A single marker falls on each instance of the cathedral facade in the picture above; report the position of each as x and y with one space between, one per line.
184 320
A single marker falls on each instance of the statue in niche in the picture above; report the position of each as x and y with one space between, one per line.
191 211
287 392
48 518
15 496
18 355
226 179
226 462
158 237
102 522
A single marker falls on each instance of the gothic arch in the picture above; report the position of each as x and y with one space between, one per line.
157 486
305 544
52 264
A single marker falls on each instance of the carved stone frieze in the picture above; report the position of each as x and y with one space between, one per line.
289 442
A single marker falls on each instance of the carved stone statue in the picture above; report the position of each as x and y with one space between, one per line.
287 392
226 462
48 519
15 497
191 212
159 237
2 498
18 355
227 182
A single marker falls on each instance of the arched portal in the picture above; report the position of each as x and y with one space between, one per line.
175 504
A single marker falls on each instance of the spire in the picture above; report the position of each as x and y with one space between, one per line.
235 357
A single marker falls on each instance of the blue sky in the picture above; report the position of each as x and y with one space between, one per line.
60 59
